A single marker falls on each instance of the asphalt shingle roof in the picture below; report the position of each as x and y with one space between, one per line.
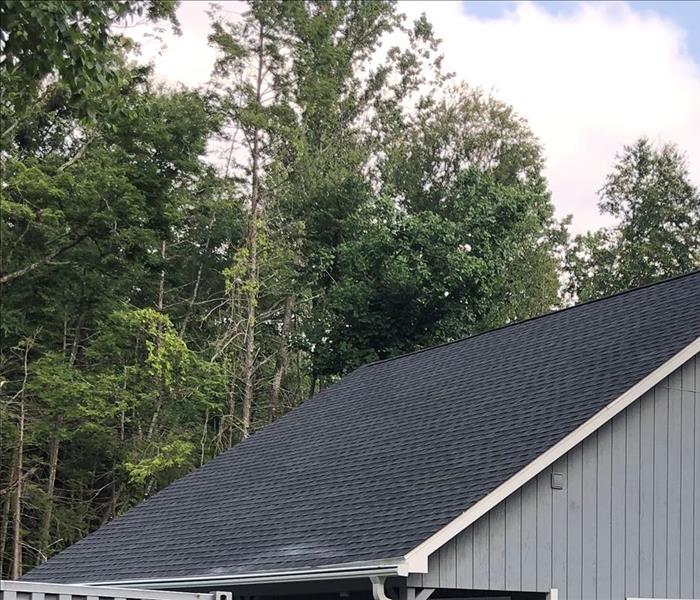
375 464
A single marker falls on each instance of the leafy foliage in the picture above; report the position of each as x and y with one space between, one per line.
657 231
68 42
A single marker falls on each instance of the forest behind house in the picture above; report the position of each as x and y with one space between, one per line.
180 267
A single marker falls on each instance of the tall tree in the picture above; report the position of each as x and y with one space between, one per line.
247 60
468 130
346 102
67 42
297 79
462 238
656 234
410 280
86 207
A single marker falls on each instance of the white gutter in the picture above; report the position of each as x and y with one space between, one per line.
324 574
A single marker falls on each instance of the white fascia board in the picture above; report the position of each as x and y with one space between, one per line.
323 574
417 559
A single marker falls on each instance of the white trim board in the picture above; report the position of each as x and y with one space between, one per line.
417 559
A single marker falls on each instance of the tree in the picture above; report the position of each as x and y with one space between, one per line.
413 279
460 129
657 231
461 239
83 225
67 42
468 130
293 83
248 57
345 103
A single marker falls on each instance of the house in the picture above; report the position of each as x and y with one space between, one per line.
556 457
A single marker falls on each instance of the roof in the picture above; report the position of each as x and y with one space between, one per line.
374 465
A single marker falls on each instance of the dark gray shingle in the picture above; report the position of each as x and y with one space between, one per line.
375 464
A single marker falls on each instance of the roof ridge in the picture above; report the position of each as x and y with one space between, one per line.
533 318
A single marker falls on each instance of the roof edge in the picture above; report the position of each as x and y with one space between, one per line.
417 558
341 571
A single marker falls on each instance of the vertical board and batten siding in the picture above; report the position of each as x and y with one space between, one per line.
626 523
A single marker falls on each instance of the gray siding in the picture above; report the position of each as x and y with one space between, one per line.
626 524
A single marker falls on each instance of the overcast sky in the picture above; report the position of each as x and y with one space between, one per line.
589 77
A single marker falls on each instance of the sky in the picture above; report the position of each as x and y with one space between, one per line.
589 77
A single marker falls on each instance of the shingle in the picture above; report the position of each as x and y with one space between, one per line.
372 466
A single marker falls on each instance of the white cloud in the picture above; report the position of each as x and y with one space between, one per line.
588 81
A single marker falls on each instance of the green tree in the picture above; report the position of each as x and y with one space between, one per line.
95 218
413 279
466 131
461 129
656 234
66 42
346 103
300 91
461 239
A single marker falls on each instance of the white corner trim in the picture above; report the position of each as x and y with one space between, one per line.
417 559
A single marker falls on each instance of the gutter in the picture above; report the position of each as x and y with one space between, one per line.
367 570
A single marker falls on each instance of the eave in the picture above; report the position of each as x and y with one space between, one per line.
396 567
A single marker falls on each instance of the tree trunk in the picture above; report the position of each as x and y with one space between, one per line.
282 357
4 524
229 427
16 572
65 333
76 340
312 387
161 386
252 266
231 415
197 282
112 506
44 537
154 418
161 283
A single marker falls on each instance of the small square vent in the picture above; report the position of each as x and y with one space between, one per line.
558 481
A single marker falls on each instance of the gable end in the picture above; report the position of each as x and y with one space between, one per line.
417 559
624 522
